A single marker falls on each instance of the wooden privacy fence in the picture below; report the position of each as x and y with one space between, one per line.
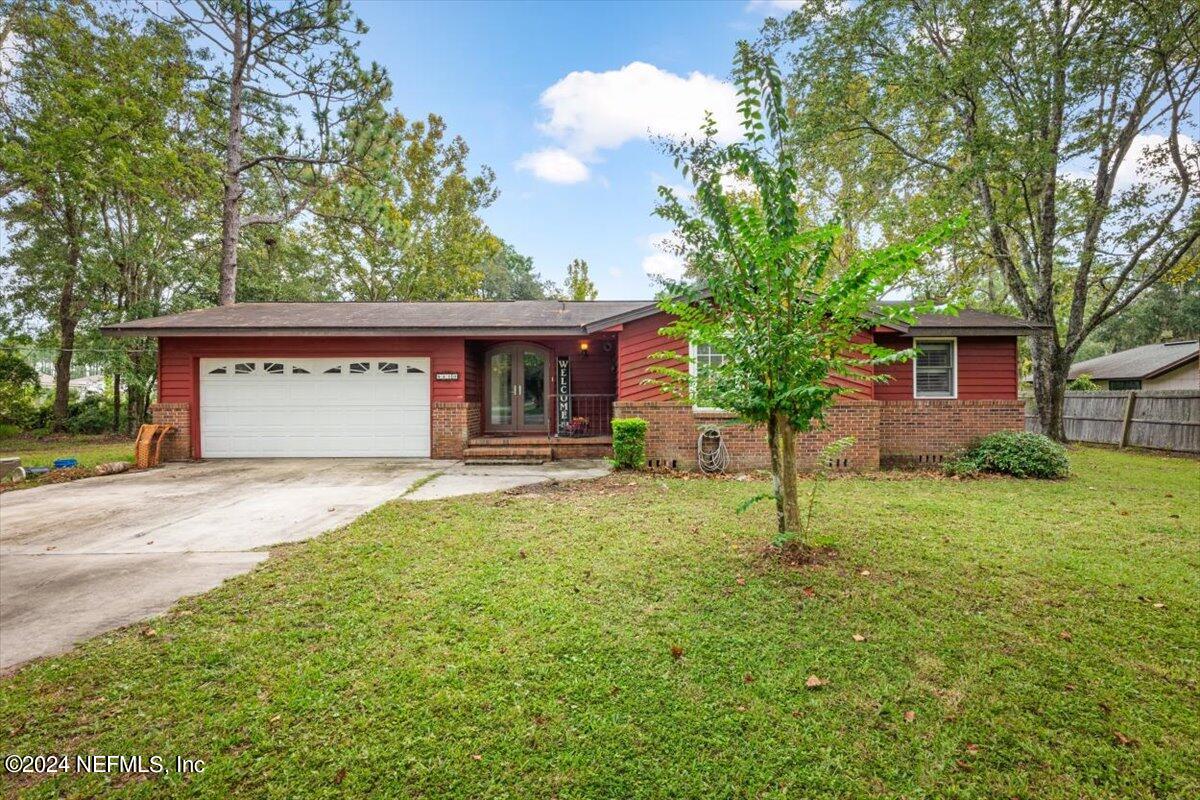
1162 419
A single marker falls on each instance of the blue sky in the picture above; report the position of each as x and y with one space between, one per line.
575 169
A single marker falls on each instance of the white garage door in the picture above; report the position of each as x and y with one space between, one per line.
377 406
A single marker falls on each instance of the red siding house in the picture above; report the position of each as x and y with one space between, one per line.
532 380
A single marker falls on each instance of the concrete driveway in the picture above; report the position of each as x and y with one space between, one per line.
77 559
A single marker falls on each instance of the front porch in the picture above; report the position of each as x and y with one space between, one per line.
541 399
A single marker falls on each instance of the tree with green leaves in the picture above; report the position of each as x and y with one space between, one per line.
260 59
90 152
426 239
579 286
508 275
763 292
1066 127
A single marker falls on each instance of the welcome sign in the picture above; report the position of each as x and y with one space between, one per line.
564 393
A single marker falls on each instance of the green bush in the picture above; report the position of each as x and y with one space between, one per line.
1023 455
962 467
629 443
91 414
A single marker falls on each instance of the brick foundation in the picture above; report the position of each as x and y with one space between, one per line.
926 431
453 425
672 431
178 444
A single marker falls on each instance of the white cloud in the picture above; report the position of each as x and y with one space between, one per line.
554 165
663 262
588 112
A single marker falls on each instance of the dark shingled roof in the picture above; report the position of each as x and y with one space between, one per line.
1139 363
520 316
472 318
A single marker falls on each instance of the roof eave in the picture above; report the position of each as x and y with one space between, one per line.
341 331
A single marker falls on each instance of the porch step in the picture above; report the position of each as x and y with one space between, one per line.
534 449
495 453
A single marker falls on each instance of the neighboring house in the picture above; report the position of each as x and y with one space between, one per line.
494 380
83 386
1166 365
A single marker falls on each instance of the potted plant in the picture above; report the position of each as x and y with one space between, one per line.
577 426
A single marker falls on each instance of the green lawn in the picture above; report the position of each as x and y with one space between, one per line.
520 645
89 450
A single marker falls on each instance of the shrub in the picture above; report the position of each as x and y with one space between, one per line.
91 414
962 467
1023 455
629 443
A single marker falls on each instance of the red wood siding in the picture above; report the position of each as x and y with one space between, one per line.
637 342
987 369
640 340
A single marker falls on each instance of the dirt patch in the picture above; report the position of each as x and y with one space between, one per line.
795 555
58 476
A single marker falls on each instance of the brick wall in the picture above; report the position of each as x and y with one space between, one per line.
925 431
453 425
673 428
178 444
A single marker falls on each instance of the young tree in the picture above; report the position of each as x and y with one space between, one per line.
764 295
265 56
579 286
1067 127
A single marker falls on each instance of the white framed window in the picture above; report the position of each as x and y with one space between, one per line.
935 369
703 356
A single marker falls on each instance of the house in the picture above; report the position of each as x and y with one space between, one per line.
531 380
1165 365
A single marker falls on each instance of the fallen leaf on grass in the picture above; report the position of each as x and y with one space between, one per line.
477 756
858 637
1065 635
340 776
676 652
962 764
740 581
972 748
149 632
809 591
865 572
747 678
814 682
1160 605
1124 740
909 716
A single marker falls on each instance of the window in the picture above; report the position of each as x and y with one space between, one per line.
273 368
218 371
414 371
935 368
389 367
703 357
299 371
245 368
334 371
359 367
1126 384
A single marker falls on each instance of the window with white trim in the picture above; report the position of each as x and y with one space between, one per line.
935 368
703 357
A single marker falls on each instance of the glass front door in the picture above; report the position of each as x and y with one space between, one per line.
517 385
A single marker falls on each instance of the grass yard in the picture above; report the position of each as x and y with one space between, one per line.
89 450
1021 639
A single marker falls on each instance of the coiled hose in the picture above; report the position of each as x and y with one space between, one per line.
711 454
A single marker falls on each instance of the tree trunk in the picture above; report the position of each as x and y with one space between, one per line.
231 202
783 476
1050 369
68 320
116 405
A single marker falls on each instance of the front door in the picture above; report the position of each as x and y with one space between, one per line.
517 388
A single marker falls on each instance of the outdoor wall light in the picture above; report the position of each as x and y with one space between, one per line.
583 348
